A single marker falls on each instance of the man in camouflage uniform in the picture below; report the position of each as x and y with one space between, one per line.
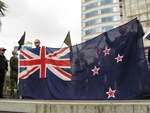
13 73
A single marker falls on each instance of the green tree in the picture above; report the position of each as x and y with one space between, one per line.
3 8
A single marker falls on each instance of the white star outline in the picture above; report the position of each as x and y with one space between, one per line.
95 70
111 93
106 51
119 58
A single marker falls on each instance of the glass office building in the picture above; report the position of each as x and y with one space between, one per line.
99 16
139 9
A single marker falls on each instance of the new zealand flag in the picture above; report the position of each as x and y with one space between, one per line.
110 66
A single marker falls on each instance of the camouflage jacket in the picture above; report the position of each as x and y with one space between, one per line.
13 66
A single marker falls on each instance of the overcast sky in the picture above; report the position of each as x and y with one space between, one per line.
47 20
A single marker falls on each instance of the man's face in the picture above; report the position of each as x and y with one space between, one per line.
82 55
122 30
37 43
2 52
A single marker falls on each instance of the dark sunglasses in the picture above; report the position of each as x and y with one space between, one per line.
36 42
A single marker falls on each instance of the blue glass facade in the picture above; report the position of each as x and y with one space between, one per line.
92 31
87 0
95 4
106 28
108 10
90 14
97 13
109 19
103 2
98 29
92 22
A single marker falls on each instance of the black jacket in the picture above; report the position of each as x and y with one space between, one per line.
3 64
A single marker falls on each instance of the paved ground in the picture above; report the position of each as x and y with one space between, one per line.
119 102
90 106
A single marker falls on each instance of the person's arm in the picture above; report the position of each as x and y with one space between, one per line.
77 64
6 61
108 41
13 64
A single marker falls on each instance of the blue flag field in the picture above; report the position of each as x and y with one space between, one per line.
111 66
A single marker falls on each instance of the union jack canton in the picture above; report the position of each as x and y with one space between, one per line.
44 59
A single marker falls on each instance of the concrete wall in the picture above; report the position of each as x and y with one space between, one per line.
70 106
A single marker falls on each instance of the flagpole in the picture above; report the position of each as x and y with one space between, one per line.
78 55
62 45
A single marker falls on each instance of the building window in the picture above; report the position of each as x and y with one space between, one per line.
95 4
108 10
107 28
91 22
92 31
108 1
109 19
88 39
90 14
87 0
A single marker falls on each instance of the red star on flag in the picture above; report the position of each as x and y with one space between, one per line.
95 70
111 93
119 58
106 51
